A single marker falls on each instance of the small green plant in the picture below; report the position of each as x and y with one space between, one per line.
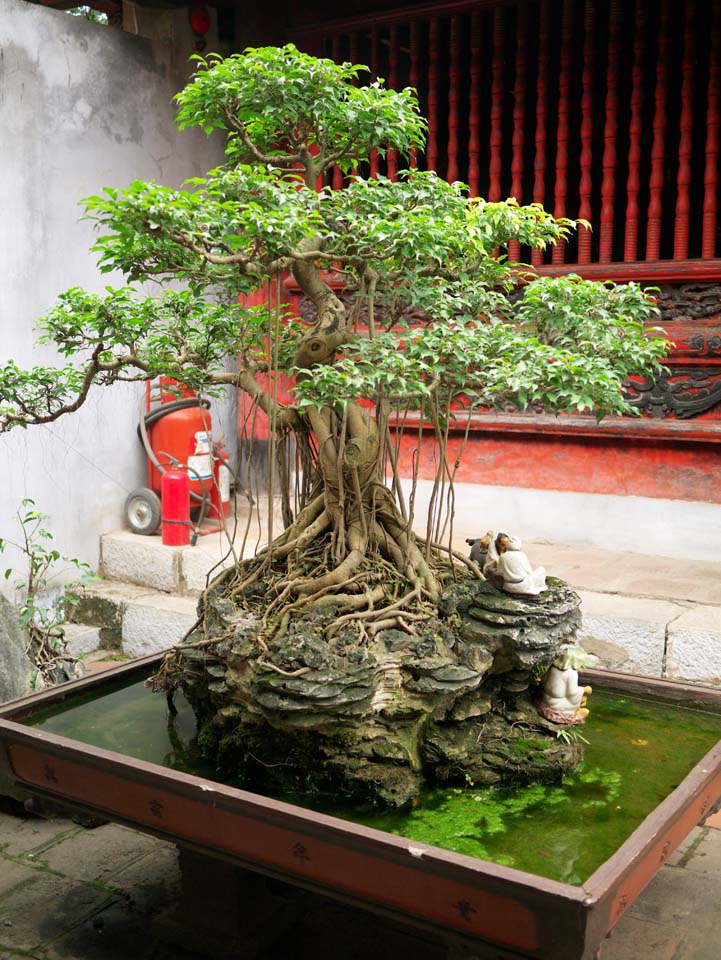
570 735
40 614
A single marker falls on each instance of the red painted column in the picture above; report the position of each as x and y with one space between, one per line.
585 185
683 176
433 74
496 139
414 75
562 130
519 117
453 97
474 107
392 155
633 182
658 148
375 67
355 58
610 133
337 180
539 181
713 117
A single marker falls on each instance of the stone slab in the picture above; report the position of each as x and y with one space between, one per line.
12 874
626 633
694 645
101 604
20 836
97 855
155 623
207 559
141 560
81 639
704 858
45 908
636 939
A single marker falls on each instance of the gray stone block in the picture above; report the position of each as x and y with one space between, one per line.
694 645
155 623
626 633
141 560
16 669
81 639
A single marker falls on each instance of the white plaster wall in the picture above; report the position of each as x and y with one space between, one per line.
645 525
82 106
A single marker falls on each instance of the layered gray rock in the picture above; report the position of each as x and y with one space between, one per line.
16 669
318 711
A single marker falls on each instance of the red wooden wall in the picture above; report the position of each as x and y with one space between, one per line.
599 109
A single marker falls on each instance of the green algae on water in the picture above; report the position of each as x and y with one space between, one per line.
638 751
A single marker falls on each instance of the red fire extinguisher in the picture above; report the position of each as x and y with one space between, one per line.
220 492
175 498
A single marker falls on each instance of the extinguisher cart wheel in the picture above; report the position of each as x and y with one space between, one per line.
142 511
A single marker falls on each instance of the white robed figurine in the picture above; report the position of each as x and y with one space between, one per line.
563 699
508 567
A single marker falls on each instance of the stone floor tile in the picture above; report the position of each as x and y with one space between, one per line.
20 835
705 860
97 855
682 850
673 896
12 874
151 879
44 909
637 939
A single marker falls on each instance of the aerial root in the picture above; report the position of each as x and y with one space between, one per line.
284 673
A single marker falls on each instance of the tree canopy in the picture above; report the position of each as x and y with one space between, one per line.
347 627
415 303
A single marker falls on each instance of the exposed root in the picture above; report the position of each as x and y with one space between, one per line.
284 673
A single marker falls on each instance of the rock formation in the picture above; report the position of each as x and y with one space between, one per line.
375 719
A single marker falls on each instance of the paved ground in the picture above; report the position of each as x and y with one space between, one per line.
70 893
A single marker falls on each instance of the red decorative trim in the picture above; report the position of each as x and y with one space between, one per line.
713 119
658 149
683 178
474 107
519 117
496 139
562 130
656 271
633 183
337 179
375 70
392 155
453 98
414 74
610 132
433 75
539 182
586 183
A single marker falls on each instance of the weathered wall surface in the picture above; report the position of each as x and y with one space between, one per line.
82 106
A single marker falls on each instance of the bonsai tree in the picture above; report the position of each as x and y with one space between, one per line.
413 307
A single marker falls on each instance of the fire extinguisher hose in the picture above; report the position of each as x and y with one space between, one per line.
147 419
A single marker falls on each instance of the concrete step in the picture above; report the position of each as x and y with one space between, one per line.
128 618
186 571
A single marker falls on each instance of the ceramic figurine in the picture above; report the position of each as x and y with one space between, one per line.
479 548
563 699
508 568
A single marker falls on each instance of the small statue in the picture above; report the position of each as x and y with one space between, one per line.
508 568
563 700
479 548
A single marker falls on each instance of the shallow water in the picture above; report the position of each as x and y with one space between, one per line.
638 751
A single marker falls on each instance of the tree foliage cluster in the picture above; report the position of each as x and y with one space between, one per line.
371 258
